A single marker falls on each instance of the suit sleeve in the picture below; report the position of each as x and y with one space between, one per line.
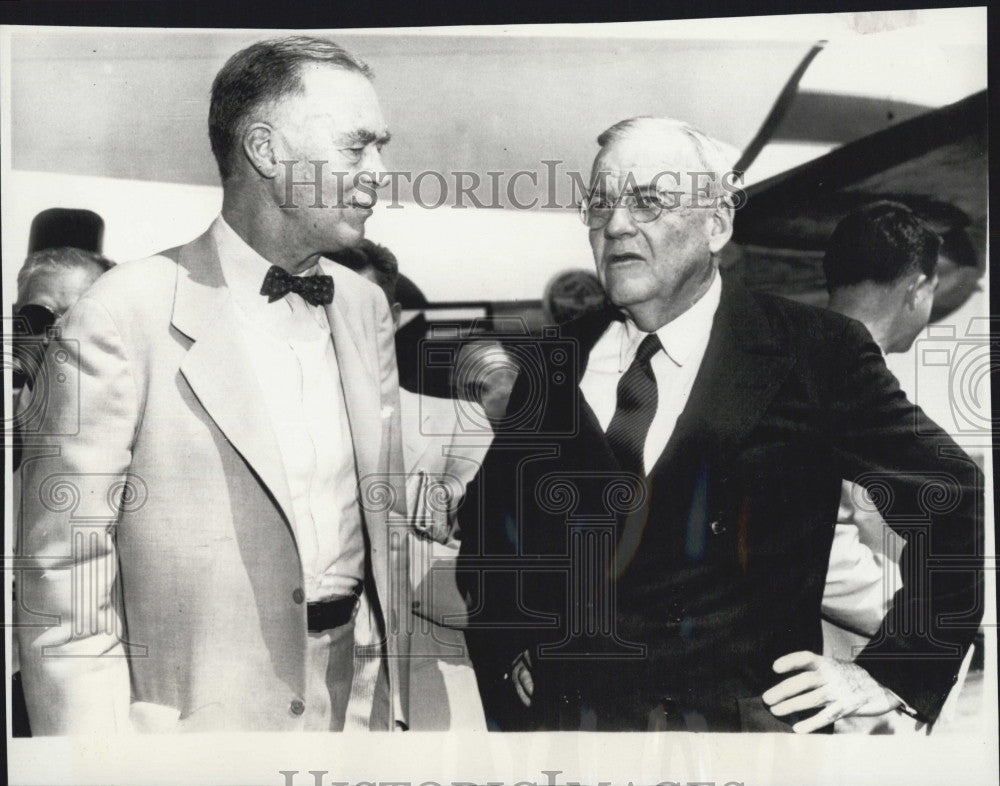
73 662
930 492
485 517
486 528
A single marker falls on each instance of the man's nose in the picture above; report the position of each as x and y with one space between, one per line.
374 170
621 223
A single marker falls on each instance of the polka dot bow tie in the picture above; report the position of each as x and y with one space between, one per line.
316 290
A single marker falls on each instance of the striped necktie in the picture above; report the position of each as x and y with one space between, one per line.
635 409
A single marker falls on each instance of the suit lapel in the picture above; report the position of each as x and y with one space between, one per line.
744 366
217 367
591 433
585 332
359 380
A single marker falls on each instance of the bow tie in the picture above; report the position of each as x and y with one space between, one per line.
315 290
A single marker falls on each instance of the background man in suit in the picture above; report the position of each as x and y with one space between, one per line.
201 513
444 442
732 419
881 269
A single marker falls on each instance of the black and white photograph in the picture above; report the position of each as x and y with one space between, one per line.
531 404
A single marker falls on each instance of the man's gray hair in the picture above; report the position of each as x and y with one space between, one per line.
61 258
713 155
258 75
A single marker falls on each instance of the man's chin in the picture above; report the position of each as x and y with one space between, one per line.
623 296
347 237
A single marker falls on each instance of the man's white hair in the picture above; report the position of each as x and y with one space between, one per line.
61 258
713 155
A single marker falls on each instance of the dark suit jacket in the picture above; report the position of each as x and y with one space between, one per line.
736 527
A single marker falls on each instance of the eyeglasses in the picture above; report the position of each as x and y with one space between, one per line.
32 319
596 211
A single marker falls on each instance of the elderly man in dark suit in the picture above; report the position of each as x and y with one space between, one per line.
647 543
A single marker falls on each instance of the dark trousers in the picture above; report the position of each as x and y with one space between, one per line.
18 709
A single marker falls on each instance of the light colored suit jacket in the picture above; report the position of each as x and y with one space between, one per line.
163 587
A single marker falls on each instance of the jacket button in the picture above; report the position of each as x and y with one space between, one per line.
415 604
717 527
297 707
298 595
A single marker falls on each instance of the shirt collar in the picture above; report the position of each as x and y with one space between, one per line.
683 335
244 268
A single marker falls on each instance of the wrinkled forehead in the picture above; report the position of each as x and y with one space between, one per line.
333 95
641 158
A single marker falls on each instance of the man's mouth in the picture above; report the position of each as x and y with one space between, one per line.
363 202
623 257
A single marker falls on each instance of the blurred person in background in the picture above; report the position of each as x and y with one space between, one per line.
485 373
48 283
881 269
444 441
572 294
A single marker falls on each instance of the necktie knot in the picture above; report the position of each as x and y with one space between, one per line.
650 346
315 290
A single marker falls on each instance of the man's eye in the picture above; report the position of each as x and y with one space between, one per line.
648 200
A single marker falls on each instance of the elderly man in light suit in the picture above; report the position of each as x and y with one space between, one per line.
212 488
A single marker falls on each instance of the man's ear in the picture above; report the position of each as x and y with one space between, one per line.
920 287
258 146
397 313
720 225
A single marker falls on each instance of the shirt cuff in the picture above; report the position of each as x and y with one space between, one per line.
903 707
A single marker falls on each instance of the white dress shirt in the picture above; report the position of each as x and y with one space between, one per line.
684 341
292 353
